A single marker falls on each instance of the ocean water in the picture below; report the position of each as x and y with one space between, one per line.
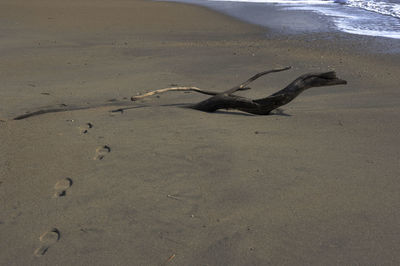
364 17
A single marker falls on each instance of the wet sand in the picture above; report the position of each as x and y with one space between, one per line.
162 185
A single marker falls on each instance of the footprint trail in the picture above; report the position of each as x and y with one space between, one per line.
61 187
47 239
85 129
101 152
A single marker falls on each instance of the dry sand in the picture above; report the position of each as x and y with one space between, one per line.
165 185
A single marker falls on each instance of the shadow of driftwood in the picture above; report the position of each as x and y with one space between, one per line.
183 105
65 108
275 112
233 113
279 112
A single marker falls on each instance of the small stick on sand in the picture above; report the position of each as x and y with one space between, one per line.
173 197
171 258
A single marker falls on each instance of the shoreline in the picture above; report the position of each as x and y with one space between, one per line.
316 184
307 19
281 23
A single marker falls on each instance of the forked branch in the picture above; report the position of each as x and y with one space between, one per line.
135 98
263 106
226 99
240 87
243 86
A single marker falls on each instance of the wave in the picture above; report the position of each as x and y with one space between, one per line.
362 17
288 2
381 7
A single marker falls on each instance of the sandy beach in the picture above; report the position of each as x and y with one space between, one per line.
317 184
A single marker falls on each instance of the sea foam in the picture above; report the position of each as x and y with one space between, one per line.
364 17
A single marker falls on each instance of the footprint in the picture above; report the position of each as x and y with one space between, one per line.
61 187
85 129
101 152
47 239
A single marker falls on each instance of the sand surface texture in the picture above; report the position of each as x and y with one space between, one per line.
161 185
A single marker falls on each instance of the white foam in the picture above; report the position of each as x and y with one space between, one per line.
353 17
285 2
356 23
381 7
385 8
346 27
366 26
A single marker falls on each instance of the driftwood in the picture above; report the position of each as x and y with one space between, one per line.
263 106
219 100
67 108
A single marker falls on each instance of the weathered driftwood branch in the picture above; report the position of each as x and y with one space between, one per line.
67 108
135 98
240 87
263 106
221 100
